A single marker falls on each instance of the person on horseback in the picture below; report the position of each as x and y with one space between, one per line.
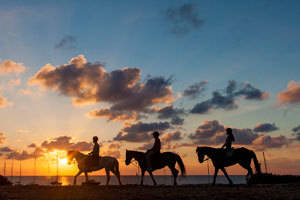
229 139
228 143
93 158
154 151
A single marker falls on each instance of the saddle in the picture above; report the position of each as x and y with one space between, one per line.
228 153
92 161
155 159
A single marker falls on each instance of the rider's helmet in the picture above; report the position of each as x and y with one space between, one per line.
229 131
155 134
95 138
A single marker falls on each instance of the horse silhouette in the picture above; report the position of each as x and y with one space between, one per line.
241 156
109 163
164 159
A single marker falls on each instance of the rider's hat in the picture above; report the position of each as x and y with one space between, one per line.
155 134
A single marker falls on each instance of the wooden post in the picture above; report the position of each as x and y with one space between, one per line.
265 162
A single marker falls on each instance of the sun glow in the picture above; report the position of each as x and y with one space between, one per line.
63 161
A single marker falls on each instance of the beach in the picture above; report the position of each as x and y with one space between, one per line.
134 192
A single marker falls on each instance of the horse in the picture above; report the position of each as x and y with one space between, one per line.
166 159
241 156
109 163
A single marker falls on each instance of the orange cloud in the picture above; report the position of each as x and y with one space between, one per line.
4 102
113 115
9 66
89 83
291 94
2 138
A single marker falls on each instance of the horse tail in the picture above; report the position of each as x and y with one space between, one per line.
256 163
180 163
116 167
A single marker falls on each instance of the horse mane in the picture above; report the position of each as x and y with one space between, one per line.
137 152
205 148
74 152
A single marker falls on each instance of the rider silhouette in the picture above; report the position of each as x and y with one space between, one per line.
229 139
93 158
155 150
228 143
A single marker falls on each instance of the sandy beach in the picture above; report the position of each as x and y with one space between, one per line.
132 192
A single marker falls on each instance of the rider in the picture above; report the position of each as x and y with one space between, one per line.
155 150
228 143
93 158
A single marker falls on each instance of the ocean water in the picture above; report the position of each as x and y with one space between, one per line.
161 180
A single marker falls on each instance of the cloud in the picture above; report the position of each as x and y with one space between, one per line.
145 147
14 82
265 127
227 98
140 132
183 19
6 150
114 146
9 66
177 120
65 143
114 153
296 129
213 133
291 95
114 115
21 155
22 131
25 91
166 141
89 83
2 138
4 102
173 136
67 42
33 145
244 136
195 90
297 136
206 132
113 150
267 141
169 112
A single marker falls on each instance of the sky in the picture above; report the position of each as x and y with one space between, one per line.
120 70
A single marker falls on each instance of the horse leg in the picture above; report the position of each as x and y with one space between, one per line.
215 175
152 177
175 174
86 177
142 177
250 171
226 175
117 174
75 177
107 176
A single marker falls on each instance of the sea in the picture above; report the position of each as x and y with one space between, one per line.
160 179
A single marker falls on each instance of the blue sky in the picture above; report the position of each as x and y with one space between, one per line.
246 41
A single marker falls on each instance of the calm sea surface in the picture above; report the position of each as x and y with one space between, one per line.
165 180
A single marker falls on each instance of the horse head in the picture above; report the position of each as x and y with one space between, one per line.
201 154
71 155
